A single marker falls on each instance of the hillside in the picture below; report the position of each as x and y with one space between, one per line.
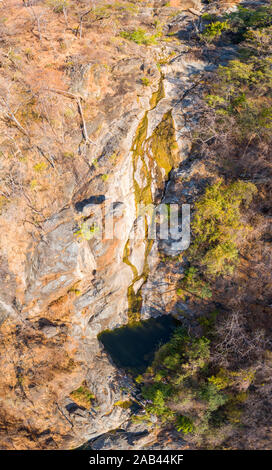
106 107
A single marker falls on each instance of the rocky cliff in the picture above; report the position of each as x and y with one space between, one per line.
92 124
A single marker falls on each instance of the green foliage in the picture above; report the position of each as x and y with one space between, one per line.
140 36
208 322
82 396
177 360
33 184
214 29
255 74
209 17
68 154
214 100
247 18
236 123
236 24
125 404
58 5
243 91
226 379
158 394
216 226
13 57
74 289
145 81
108 10
139 379
193 284
180 389
220 381
29 53
40 167
184 424
212 396
238 116
86 232
257 42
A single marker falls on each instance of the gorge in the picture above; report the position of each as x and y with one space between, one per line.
100 104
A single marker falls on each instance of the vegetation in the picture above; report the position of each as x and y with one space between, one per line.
237 23
140 36
58 5
216 226
125 404
242 92
245 19
145 81
213 382
82 396
236 115
214 29
193 284
180 388
40 167
202 385
233 134
87 231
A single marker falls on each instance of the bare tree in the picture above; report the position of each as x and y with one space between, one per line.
236 344
9 114
78 100
38 17
82 18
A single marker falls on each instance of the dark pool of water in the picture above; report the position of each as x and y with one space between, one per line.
132 347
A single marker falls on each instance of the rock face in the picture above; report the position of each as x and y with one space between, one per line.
67 286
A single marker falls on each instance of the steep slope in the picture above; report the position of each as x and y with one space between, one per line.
98 115
71 122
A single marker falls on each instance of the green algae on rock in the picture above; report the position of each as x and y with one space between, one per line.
164 145
158 95
152 158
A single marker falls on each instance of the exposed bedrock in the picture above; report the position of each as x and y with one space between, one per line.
65 287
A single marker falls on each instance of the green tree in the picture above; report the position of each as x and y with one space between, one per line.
216 225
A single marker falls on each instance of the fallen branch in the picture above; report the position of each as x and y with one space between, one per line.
78 99
7 196
10 115
49 160
84 128
65 93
